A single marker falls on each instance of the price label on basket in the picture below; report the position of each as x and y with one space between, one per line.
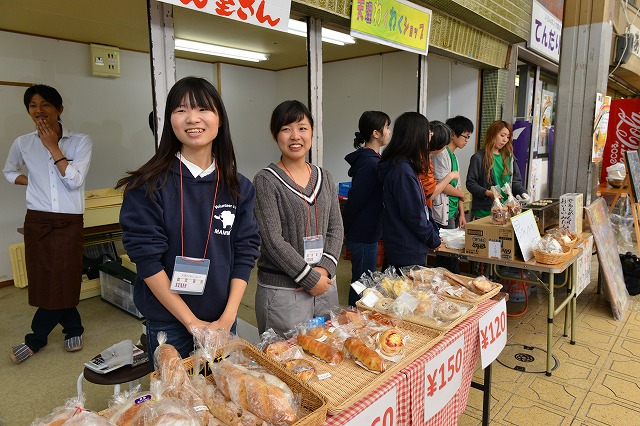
493 332
442 378
380 413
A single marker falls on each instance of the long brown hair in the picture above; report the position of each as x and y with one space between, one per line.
506 151
155 172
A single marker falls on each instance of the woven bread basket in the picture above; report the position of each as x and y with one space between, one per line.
552 258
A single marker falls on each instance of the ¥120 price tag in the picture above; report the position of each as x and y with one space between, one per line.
493 332
442 378
382 412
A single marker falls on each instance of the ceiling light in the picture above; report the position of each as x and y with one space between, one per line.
215 50
299 28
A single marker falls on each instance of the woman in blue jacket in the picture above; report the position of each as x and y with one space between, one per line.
363 209
188 213
408 228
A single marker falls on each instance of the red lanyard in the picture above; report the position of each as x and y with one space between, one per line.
215 197
306 227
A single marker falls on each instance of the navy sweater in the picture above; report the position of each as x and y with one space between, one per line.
363 210
407 233
151 236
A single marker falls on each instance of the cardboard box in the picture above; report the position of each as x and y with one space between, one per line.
571 211
483 238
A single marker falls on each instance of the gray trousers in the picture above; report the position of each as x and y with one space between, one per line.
282 308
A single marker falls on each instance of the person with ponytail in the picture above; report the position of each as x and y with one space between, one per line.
188 223
363 210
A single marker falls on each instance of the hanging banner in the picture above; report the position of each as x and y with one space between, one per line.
273 14
623 133
601 122
394 23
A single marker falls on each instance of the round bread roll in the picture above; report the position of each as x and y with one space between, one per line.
276 349
482 284
301 368
424 308
391 342
448 311
383 304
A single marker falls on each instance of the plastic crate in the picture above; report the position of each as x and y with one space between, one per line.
116 287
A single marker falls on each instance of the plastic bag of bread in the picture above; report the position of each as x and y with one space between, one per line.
512 205
278 348
59 415
392 343
481 284
420 275
499 212
124 406
166 412
253 388
350 317
548 244
87 418
364 355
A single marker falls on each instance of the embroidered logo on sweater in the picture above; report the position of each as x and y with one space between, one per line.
226 217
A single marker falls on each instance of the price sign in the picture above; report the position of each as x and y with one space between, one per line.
442 378
380 413
493 332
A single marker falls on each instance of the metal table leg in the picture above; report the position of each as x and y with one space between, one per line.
550 313
486 395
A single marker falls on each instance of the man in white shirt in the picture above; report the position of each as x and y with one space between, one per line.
57 161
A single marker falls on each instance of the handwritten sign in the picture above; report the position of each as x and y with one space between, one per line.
273 14
526 230
396 23
382 412
492 332
442 378
583 264
633 169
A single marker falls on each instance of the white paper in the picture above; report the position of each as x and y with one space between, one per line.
381 412
494 249
442 378
492 332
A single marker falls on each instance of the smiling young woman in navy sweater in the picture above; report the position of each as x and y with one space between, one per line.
189 201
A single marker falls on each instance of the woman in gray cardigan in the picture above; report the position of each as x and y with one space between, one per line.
494 164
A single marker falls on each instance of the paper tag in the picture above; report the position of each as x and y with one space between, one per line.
323 376
370 299
492 332
382 412
358 287
408 300
442 378
494 249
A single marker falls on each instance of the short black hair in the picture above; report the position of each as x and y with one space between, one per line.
460 124
441 135
286 113
49 94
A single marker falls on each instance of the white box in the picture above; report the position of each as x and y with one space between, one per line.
571 211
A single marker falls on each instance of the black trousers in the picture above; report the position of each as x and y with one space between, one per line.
45 320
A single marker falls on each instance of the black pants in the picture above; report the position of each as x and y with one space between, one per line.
45 320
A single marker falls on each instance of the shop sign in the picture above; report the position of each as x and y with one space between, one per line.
601 123
623 133
395 23
635 45
443 377
273 14
382 412
492 332
545 33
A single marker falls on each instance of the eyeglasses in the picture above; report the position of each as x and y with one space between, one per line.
465 136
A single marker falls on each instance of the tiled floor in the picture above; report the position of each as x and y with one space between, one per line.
597 381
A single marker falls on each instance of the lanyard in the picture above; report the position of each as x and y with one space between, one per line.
306 227
215 196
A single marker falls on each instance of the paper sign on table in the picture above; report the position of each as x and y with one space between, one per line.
383 412
492 331
442 378
527 232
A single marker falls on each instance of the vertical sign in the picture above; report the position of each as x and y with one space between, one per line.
492 332
383 412
623 133
600 124
442 378
583 265
546 29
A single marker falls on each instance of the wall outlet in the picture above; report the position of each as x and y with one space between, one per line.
105 61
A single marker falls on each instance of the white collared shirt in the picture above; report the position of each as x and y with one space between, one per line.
195 170
47 189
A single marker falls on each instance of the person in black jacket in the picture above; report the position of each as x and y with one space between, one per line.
492 165
363 209
408 228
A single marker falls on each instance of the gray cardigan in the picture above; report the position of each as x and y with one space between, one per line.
282 214
440 203
477 183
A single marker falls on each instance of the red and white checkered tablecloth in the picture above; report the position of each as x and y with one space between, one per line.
410 381
403 400
415 371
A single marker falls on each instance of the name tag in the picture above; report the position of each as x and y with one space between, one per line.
313 249
189 275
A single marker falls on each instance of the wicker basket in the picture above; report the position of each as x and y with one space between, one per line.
552 258
313 408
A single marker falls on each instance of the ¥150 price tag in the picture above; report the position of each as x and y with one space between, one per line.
493 332
382 412
442 378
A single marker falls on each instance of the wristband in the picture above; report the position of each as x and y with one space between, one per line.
59 160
